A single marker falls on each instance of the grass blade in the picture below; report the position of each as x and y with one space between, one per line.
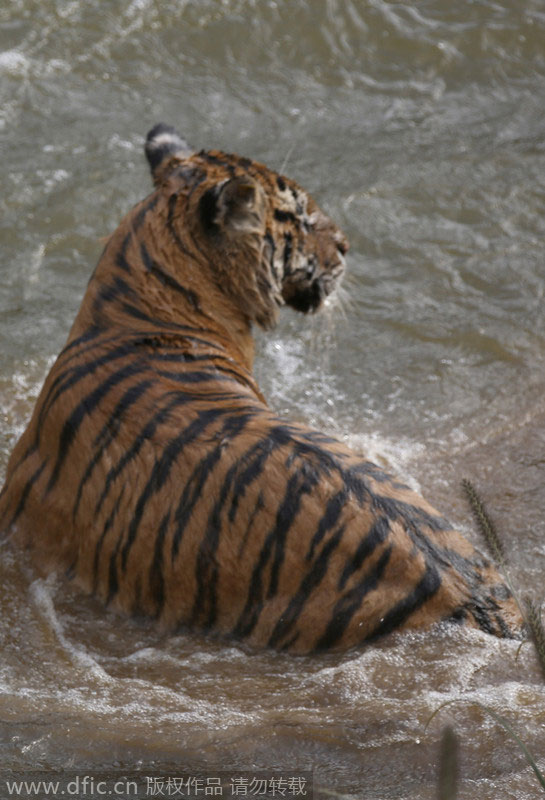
528 756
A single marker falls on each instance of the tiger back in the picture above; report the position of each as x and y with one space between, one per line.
153 473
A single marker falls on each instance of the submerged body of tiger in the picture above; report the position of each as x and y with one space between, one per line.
153 472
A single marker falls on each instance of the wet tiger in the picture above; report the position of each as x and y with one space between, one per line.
153 472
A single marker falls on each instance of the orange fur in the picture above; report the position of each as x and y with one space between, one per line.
153 472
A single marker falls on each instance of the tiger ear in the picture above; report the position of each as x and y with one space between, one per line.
162 144
239 206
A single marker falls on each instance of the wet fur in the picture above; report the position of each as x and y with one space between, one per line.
154 474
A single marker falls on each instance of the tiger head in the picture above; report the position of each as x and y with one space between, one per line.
266 241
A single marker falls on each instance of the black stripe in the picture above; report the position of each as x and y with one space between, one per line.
468 568
502 626
113 578
24 495
156 579
31 449
269 238
481 617
98 547
323 439
167 280
161 471
331 515
222 160
299 483
175 399
121 255
85 407
415 520
376 536
371 470
350 602
178 354
220 373
232 426
91 333
288 251
206 570
446 558
180 335
109 432
310 582
172 201
148 205
108 293
77 372
422 592
254 600
136 313
197 376
256 459
149 263
284 216
100 339
253 461
256 511
326 462
410 514
73 375
111 427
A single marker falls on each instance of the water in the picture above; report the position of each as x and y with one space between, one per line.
421 129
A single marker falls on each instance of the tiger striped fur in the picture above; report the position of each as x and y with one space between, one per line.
153 472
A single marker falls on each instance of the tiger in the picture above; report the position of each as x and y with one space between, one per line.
154 475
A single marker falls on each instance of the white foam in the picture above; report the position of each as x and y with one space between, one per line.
18 393
395 457
117 141
14 62
42 591
50 179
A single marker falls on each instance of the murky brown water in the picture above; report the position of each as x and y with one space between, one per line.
420 127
